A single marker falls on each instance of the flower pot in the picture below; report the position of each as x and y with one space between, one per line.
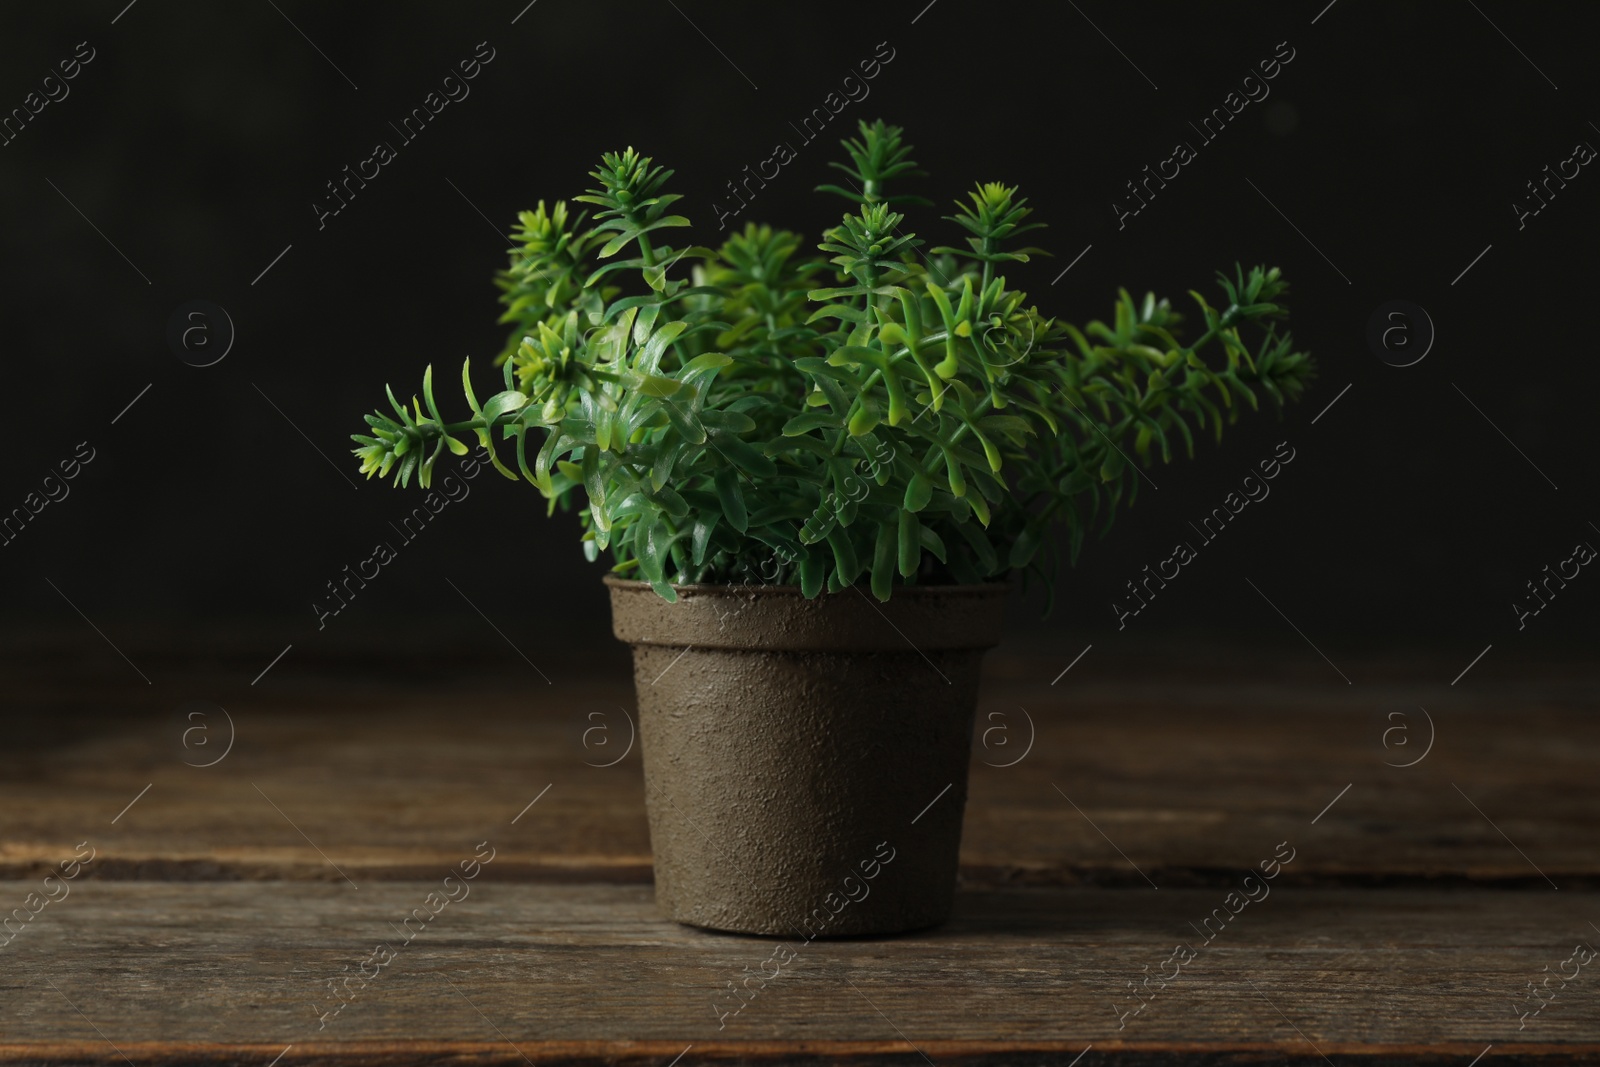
805 761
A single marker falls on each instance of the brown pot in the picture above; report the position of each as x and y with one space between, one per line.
805 761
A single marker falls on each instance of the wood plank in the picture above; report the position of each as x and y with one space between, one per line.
1181 773
202 971
895 1053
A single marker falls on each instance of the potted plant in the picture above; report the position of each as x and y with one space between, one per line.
814 475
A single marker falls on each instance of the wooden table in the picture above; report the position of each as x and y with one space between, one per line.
1420 903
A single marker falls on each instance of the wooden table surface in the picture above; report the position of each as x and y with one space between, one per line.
1422 906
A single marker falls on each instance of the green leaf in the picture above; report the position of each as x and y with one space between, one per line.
918 492
1112 465
427 392
910 543
619 242
707 361
883 559
847 567
829 294
661 469
840 311
743 455
812 575
656 385
503 403
700 536
732 497
466 385
978 541
728 422
1025 547
865 418
953 475
811 420
674 505
595 485
650 356
689 429
651 543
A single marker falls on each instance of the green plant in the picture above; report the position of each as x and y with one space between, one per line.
882 412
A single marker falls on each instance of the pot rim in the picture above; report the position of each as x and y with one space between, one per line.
782 619
732 589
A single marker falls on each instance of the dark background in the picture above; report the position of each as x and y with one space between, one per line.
200 135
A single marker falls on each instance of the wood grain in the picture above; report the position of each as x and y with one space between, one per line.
895 1053
239 965
1417 909
1184 779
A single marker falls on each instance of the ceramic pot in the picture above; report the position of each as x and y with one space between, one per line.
806 761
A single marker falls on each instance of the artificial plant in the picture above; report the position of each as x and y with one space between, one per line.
878 412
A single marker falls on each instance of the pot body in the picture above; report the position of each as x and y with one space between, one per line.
806 761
